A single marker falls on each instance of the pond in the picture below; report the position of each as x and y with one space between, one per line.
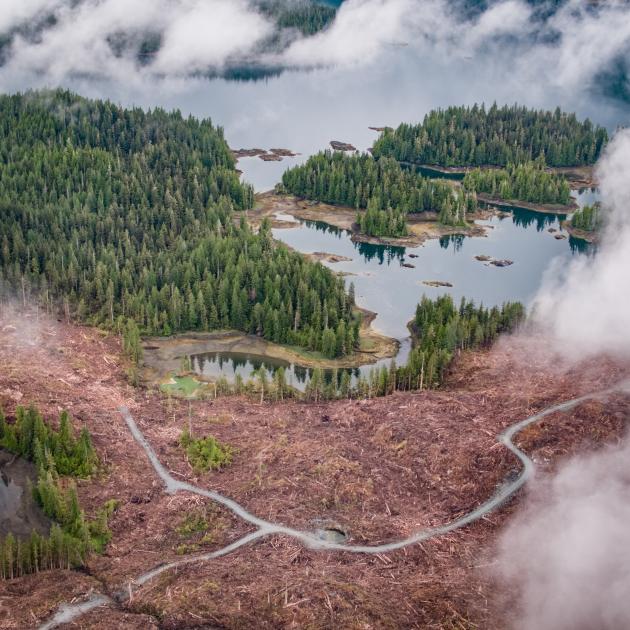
19 514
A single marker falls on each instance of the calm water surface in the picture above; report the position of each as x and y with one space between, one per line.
304 110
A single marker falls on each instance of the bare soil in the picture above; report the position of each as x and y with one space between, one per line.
585 235
422 227
379 468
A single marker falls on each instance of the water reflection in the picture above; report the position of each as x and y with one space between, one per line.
456 240
246 366
541 221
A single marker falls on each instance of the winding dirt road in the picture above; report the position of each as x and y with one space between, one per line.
67 613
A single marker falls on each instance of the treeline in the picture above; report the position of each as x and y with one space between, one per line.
474 136
111 214
381 186
55 453
525 182
440 330
588 219
59 451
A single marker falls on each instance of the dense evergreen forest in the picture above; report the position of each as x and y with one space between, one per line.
56 453
476 136
388 191
118 214
440 330
588 219
525 182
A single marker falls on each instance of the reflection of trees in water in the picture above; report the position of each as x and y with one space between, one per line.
580 246
215 363
326 228
382 253
542 220
456 240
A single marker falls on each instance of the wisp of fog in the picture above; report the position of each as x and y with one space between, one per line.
55 40
586 307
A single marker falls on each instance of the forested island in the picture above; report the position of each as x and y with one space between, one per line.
586 223
110 213
476 136
528 182
382 187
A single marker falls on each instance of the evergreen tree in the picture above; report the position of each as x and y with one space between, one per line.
476 136
386 191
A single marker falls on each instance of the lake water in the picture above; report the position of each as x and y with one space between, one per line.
384 285
19 514
303 110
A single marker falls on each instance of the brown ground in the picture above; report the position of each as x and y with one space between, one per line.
380 469
585 235
422 227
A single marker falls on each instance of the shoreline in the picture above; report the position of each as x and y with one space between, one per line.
526 205
584 235
422 227
578 176
162 355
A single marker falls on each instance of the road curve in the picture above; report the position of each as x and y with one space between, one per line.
265 528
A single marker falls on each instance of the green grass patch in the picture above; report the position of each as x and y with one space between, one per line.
186 386
205 453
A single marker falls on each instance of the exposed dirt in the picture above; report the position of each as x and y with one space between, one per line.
273 155
422 227
585 235
342 146
379 469
331 258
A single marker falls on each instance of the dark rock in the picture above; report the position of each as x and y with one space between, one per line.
341 146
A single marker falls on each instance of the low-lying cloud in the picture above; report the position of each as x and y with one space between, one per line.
586 307
569 49
565 556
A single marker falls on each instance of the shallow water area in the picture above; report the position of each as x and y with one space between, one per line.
19 514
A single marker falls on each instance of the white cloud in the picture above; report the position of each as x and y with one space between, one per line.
565 555
205 34
16 12
586 307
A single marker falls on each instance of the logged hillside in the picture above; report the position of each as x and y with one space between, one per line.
111 214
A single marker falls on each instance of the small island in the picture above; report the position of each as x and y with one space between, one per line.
341 146
586 224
